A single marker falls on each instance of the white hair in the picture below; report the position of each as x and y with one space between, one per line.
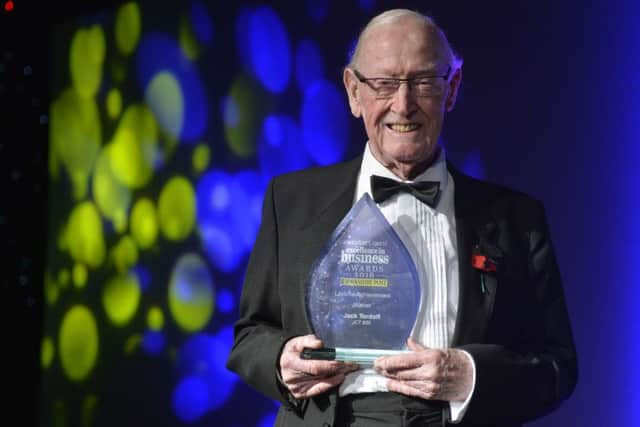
393 15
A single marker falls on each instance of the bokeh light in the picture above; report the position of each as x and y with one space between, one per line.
166 198
201 22
226 301
281 149
63 278
76 136
201 157
176 209
144 223
191 293
173 61
47 352
243 110
84 235
221 238
127 27
309 65
132 344
246 205
163 95
242 35
79 275
325 123
143 275
155 318
153 342
120 298
134 147
190 399
204 356
187 39
86 57
124 254
112 197
269 49
78 343
114 103
51 289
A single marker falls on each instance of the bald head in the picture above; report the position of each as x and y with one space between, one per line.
414 21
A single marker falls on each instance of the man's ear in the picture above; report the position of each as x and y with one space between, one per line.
351 86
454 85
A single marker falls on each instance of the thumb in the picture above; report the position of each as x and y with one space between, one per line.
300 342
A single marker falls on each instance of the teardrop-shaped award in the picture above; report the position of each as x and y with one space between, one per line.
363 293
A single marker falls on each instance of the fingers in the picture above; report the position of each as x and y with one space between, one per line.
307 389
292 366
428 373
423 389
297 344
422 373
299 370
306 378
390 365
446 389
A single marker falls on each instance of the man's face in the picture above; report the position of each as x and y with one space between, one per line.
403 130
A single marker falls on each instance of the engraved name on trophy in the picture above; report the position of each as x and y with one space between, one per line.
363 293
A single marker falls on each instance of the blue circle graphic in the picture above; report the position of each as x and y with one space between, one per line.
309 66
159 52
269 49
191 398
325 123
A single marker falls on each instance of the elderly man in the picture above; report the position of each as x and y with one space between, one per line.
492 344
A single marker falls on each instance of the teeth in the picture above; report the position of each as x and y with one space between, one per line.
404 127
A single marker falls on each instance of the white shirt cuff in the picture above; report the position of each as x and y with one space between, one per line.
458 407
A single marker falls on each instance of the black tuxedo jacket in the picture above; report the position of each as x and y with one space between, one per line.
516 329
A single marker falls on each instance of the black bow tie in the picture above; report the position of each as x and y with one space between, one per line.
425 191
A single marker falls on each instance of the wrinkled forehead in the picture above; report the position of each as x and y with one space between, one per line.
404 45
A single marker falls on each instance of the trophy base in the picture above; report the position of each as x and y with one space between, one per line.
361 356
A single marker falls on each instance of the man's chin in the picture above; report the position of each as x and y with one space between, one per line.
412 155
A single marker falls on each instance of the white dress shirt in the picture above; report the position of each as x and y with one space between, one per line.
430 237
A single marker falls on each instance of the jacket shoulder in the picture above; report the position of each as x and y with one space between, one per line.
497 200
318 176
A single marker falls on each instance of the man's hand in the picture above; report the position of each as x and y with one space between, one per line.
307 378
431 374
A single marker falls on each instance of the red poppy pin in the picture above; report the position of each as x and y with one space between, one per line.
480 260
484 263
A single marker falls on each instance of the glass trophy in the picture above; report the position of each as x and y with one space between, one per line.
363 293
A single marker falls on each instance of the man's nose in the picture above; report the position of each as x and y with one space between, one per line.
404 102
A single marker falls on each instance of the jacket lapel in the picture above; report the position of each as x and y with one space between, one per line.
331 207
473 217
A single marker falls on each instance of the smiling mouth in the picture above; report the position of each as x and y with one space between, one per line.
403 128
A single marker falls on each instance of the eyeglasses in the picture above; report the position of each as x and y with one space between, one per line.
422 86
